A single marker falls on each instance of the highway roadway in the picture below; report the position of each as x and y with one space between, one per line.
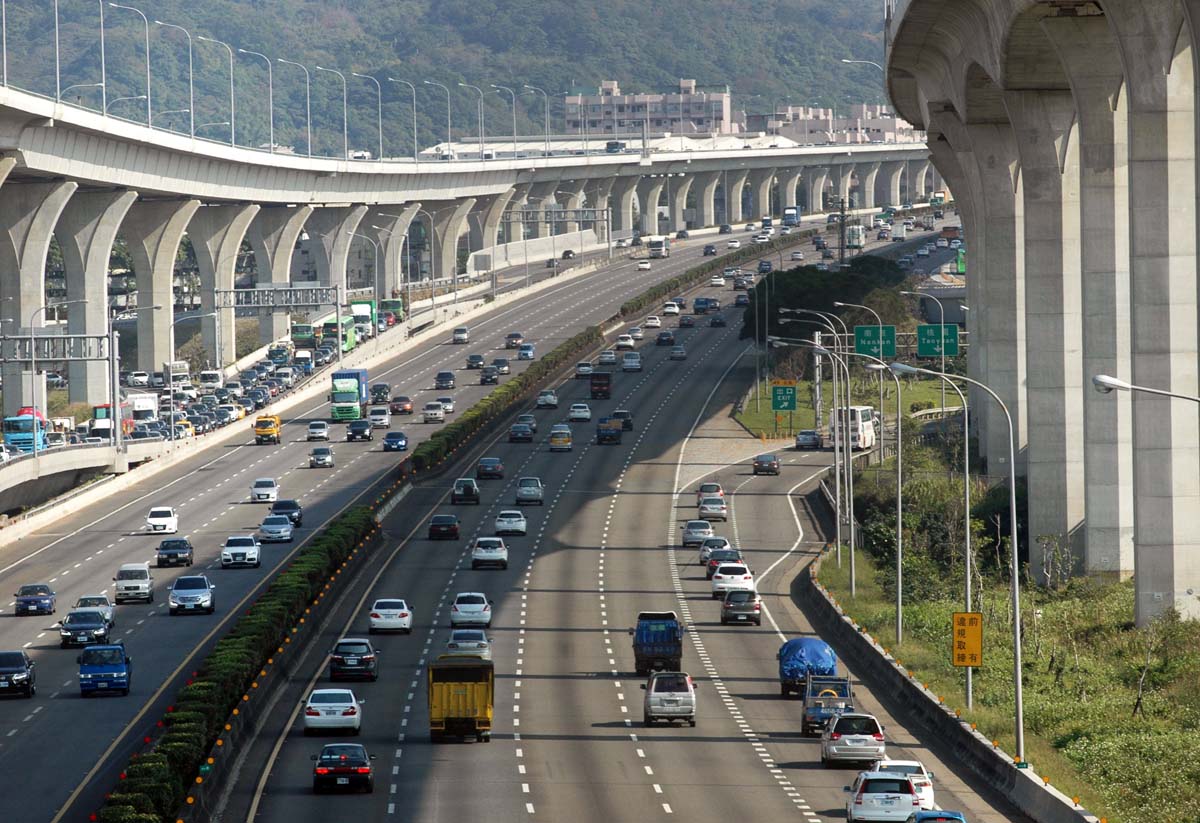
568 741
87 741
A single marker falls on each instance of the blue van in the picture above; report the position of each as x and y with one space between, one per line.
104 669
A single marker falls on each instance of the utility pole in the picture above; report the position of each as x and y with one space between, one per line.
842 232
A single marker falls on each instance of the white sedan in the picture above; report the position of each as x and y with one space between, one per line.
624 341
469 643
731 577
712 508
162 520
643 265
652 322
332 709
717 280
583 369
390 615
511 521
264 490
608 357
636 333
489 551
734 244
579 413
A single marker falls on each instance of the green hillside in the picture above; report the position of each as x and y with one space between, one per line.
774 49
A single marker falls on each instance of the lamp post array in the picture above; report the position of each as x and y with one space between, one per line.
416 152
191 74
146 23
307 99
270 98
345 112
378 106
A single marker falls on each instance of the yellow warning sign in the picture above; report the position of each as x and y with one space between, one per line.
966 648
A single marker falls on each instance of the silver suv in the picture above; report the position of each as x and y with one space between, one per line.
192 593
854 738
530 490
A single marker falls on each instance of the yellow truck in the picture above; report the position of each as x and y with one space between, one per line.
268 428
461 695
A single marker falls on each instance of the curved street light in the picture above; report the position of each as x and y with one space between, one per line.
378 107
146 23
479 109
307 99
345 113
232 97
413 89
513 94
446 89
191 76
270 98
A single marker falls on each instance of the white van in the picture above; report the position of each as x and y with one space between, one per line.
287 374
670 696
134 582
632 361
211 380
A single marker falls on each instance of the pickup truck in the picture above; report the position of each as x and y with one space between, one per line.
104 669
461 697
825 698
800 657
268 428
657 642
608 430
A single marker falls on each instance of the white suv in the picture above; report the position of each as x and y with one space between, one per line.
162 519
433 412
134 582
264 490
489 551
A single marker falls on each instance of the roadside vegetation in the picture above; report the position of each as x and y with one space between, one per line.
1111 711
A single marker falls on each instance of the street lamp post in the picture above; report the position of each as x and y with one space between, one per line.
446 89
407 280
416 154
378 106
480 112
146 23
879 322
168 375
373 242
545 111
513 94
878 365
307 99
1015 562
866 63
345 116
941 339
80 86
112 103
191 75
33 362
270 98
232 97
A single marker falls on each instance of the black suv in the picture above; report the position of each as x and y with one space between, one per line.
466 490
175 551
17 674
353 657
292 508
474 361
444 380
489 375
725 229
359 430
380 392
710 250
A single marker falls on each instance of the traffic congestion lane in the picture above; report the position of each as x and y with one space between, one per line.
619 294
419 782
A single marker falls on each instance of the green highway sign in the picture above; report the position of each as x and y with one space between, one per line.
866 341
927 340
783 397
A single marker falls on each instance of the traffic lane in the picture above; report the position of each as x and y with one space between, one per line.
955 787
521 459
712 767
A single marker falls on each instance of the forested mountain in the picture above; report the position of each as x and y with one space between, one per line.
768 50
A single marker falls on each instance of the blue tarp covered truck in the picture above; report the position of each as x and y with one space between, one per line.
657 642
808 667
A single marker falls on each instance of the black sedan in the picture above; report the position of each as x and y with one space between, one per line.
687 321
17 674
353 657
717 321
489 468
443 527
474 361
291 508
489 375
343 766
665 338
359 430
520 433
766 464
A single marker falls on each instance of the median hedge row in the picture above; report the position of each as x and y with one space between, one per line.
449 439
154 785
668 288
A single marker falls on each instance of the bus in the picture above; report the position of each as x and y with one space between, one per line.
395 306
349 337
862 426
856 237
659 245
304 336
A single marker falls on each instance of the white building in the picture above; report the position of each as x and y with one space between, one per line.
686 111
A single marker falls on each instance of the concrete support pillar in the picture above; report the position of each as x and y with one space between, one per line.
887 189
736 181
388 226
514 227
1104 216
789 180
28 215
649 193
680 186
1161 86
86 230
153 231
573 197
918 189
624 191
1047 142
449 223
330 233
816 179
705 186
866 184
761 182
541 199
841 183
273 234
484 220
216 233
598 193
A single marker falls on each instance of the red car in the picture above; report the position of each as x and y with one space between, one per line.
389 318
401 405
443 527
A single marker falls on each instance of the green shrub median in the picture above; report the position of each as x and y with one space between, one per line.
154 785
